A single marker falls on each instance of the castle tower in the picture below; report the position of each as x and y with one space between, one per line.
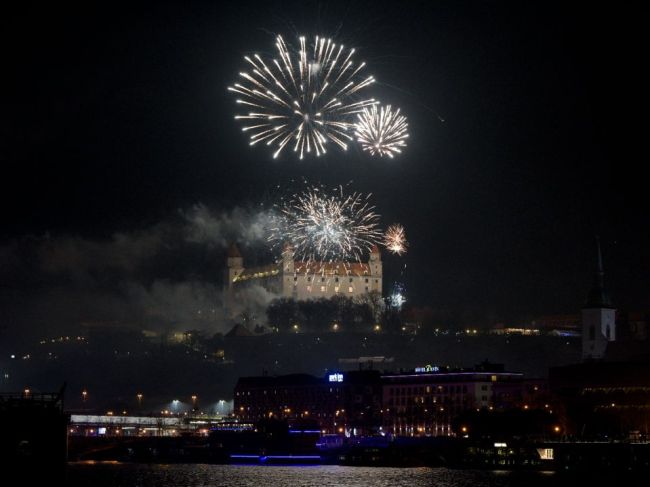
376 268
287 270
287 259
234 267
598 317
234 263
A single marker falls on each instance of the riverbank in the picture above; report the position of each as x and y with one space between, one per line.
376 452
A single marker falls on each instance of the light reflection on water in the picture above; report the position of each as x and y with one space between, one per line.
100 474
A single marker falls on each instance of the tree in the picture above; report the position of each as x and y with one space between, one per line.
283 313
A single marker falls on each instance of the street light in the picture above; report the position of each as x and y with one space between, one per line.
194 402
84 395
139 396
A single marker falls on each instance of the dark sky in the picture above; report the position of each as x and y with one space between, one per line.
527 133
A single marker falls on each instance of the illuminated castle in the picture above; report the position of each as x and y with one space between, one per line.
304 280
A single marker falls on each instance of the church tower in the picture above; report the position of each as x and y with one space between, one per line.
598 317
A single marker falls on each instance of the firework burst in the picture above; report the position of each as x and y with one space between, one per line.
397 297
304 99
381 131
395 239
326 227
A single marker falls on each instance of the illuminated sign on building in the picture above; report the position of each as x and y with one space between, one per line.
427 368
336 377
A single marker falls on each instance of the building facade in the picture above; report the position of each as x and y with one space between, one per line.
341 402
426 402
423 403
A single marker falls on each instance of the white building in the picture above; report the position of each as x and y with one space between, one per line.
304 280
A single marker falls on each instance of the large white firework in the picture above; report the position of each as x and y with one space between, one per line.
381 131
327 226
395 239
303 99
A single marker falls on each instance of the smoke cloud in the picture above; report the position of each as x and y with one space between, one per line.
166 277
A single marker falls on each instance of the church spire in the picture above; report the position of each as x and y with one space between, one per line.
598 297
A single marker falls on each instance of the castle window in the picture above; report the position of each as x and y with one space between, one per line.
309 279
322 279
295 278
376 281
322 289
366 280
308 289
592 332
350 289
336 279
366 288
336 289
350 279
608 332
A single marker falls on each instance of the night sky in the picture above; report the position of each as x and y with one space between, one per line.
121 159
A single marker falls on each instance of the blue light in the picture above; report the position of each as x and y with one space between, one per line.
297 457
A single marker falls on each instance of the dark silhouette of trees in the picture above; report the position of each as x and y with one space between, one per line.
336 314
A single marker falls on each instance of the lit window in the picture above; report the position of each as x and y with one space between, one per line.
336 289
322 289
350 289
308 289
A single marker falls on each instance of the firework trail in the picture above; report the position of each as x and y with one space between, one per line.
395 239
381 131
303 99
326 227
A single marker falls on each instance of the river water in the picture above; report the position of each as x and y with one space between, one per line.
88 474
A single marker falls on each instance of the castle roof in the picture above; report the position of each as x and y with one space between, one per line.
233 250
312 267
332 268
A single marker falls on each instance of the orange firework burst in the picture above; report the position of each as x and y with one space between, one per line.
395 239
